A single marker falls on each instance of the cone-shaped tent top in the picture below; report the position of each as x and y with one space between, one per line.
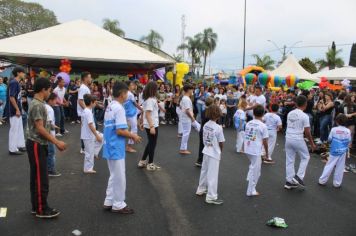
291 66
347 72
86 44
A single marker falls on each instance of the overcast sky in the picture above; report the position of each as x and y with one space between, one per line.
314 22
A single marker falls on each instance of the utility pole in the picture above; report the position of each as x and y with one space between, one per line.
183 26
243 59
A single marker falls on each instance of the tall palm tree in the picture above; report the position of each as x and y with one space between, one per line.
113 26
266 62
153 39
208 40
332 59
193 46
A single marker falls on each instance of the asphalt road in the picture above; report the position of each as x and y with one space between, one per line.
165 201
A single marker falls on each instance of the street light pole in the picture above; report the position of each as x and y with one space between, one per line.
283 52
243 58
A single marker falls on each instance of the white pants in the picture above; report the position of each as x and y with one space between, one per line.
292 148
209 177
161 113
91 149
115 192
240 141
272 138
339 163
179 114
254 173
186 128
16 136
132 122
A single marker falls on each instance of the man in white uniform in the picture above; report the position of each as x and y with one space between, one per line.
297 126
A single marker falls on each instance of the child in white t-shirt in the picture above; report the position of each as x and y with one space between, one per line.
340 138
51 156
213 139
223 110
274 124
256 136
91 137
240 122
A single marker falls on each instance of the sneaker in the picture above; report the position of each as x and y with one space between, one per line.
198 164
142 164
170 122
107 208
73 122
54 174
66 131
48 214
125 210
156 166
320 184
200 194
298 181
289 185
78 122
59 135
163 122
215 201
15 153
81 151
22 149
152 167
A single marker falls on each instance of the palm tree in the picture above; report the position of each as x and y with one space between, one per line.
266 62
178 57
193 46
113 26
332 59
208 40
153 39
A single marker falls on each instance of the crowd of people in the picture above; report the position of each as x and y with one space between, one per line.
43 107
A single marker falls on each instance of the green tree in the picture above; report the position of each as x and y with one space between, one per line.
18 17
308 65
353 55
208 40
153 39
266 62
178 57
332 59
113 26
193 46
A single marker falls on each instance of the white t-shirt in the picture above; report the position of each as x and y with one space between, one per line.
255 132
150 105
186 104
261 100
250 100
87 118
223 109
50 118
240 120
82 91
297 120
221 96
60 94
272 121
212 136
340 138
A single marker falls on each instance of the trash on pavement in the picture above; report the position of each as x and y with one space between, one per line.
277 222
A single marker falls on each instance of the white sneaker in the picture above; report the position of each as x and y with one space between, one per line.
58 135
66 131
152 167
72 122
142 164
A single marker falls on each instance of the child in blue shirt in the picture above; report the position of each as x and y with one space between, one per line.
115 132
340 138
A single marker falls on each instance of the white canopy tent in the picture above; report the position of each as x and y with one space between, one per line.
291 66
87 45
347 72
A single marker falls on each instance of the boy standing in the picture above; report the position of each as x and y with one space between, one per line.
91 137
274 124
213 139
297 126
256 135
239 122
38 136
60 90
115 132
13 110
340 138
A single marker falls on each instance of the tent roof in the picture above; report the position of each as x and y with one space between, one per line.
86 44
291 66
347 72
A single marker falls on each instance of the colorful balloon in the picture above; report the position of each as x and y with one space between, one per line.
291 80
277 81
250 78
264 78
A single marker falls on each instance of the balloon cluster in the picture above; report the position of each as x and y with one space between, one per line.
291 80
263 78
250 78
65 66
182 69
324 83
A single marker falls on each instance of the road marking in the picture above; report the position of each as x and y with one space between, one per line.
3 211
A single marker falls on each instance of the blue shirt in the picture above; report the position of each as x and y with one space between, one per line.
14 90
129 105
114 144
3 93
340 138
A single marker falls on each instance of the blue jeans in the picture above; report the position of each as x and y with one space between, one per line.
2 107
51 157
325 123
200 108
59 116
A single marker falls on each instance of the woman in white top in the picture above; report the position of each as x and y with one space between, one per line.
150 123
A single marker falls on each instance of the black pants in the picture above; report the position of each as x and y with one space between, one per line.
37 156
151 146
201 146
